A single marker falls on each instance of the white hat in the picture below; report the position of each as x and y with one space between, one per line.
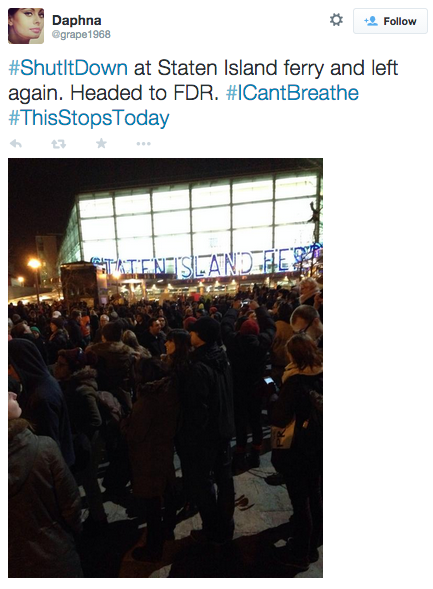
56 314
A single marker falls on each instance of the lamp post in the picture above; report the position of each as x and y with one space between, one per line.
35 264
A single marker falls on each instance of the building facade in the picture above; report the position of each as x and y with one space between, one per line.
223 230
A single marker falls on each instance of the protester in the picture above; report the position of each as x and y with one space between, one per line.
247 350
77 379
44 504
207 427
150 432
306 319
59 339
41 400
300 399
153 339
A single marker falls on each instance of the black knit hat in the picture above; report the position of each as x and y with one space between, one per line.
207 329
58 322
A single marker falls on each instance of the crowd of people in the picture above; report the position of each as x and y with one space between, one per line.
131 385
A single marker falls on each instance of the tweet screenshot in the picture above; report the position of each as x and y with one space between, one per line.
173 171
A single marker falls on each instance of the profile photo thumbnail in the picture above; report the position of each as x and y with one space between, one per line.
25 25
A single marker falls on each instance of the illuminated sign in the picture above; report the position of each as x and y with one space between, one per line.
214 265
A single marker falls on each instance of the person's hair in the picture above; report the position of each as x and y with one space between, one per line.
306 312
130 339
112 331
304 351
182 342
75 314
12 11
19 329
285 311
310 282
152 321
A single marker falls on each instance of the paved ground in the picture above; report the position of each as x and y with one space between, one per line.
261 518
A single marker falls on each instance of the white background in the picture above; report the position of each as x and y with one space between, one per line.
377 196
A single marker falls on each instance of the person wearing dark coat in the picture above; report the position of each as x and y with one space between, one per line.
248 350
153 338
150 431
114 364
44 505
301 398
78 382
207 427
42 400
59 339
73 327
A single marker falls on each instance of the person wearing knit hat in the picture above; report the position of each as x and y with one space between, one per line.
36 330
247 350
59 339
207 329
187 323
213 310
56 314
249 327
207 428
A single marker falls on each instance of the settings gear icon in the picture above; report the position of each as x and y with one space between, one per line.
336 19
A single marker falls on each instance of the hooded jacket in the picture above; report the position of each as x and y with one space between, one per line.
41 400
208 400
44 508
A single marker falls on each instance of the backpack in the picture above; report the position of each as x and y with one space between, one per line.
109 408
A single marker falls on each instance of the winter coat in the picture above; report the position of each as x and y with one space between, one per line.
115 360
300 397
81 397
73 327
44 508
155 344
150 432
42 400
59 340
248 353
207 411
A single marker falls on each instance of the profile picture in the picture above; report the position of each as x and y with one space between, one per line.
25 25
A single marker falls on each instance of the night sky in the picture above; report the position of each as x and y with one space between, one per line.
41 191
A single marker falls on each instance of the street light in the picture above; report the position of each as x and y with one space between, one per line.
35 264
21 280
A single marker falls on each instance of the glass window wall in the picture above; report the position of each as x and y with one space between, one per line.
96 207
218 241
173 246
293 211
169 223
294 235
97 228
139 247
252 215
211 219
132 204
169 201
99 248
136 226
211 195
252 239
252 191
297 186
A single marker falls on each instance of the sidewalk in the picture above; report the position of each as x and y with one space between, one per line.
261 520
